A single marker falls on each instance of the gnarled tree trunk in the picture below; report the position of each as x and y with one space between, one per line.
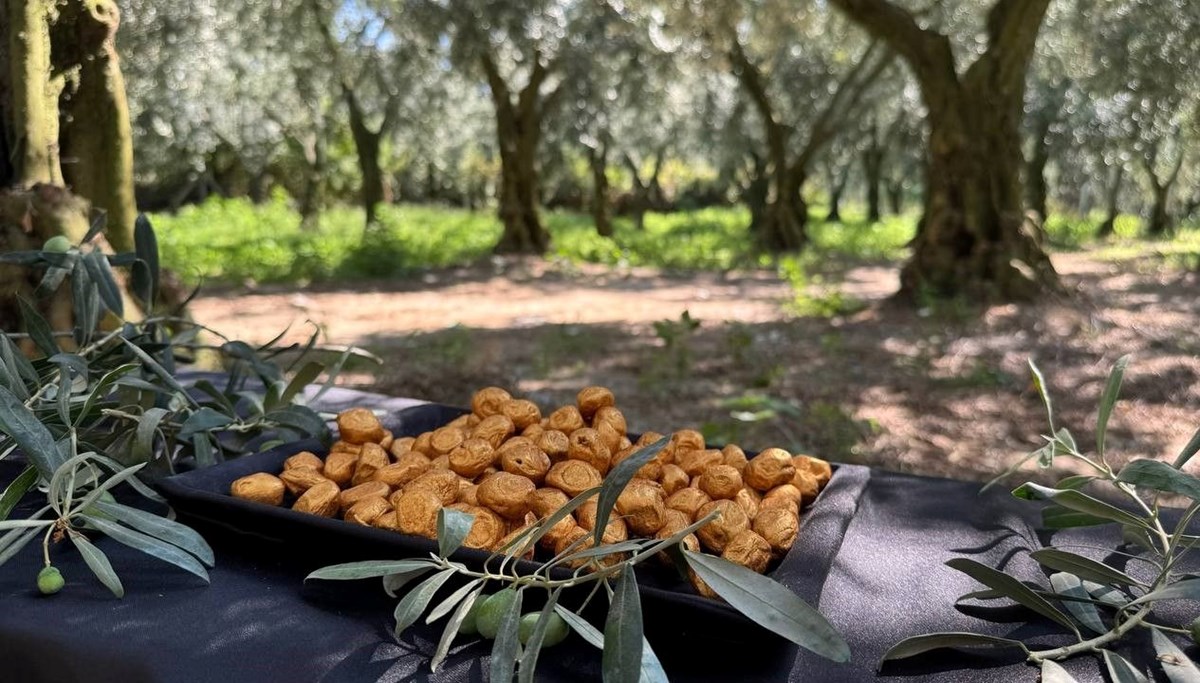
96 133
518 132
973 239
1035 171
1113 193
598 164
366 145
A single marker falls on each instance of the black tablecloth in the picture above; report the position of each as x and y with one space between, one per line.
258 621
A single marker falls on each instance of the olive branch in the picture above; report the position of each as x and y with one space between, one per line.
626 655
1098 604
99 406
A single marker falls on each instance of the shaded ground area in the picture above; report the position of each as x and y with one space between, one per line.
942 391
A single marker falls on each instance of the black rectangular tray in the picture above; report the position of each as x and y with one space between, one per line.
203 496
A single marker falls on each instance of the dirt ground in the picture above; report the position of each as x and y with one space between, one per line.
944 392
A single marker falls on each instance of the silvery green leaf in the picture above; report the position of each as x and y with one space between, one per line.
443 608
394 582
12 542
16 490
1180 590
1078 501
1011 469
146 248
1069 585
144 436
106 283
203 420
1083 567
202 447
31 435
109 483
1064 437
85 305
916 645
137 484
98 562
769 604
1193 445
161 528
369 569
414 602
1039 383
622 658
544 527
451 630
452 529
39 330
1013 588
1178 667
1160 476
618 478
1108 400
161 372
149 545
302 418
533 647
580 625
1052 672
507 644
1120 670
306 375
1106 594
1059 517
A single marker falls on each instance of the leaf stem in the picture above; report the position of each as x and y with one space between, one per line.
1093 644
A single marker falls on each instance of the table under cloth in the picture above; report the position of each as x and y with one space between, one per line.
259 621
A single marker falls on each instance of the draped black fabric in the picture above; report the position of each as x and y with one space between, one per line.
878 541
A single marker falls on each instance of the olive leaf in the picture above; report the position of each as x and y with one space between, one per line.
915 645
1160 476
1069 585
528 664
622 658
1180 590
39 330
1083 567
98 562
618 478
1120 670
17 490
1108 400
770 605
1052 672
19 423
452 529
1079 502
369 569
507 643
452 626
1039 383
1189 450
1178 667
148 544
414 602
443 608
161 528
1013 588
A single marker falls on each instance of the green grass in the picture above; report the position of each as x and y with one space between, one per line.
234 241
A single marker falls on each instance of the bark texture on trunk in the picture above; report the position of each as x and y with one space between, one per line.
598 163
1035 171
96 134
974 239
31 123
1112 196
366 145
518 133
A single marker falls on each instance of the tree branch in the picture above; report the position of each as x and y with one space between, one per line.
849 92
927 52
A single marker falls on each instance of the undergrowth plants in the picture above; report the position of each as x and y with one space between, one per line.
1095 602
